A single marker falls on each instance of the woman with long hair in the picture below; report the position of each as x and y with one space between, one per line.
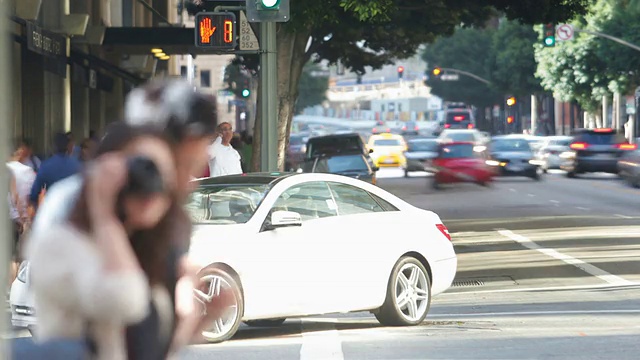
93 274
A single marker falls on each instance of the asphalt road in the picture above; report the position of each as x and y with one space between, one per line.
547 270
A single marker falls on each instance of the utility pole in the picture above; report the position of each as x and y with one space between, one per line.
269 98
5 130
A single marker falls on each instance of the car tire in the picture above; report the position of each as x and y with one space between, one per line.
406 173
435 184
226 327
412 279
571 174
265 322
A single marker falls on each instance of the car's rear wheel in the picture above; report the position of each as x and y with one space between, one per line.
212 280
408 294
265 322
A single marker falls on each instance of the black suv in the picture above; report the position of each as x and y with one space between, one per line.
595 150
341 144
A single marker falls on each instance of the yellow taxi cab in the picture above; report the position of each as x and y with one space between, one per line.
388 149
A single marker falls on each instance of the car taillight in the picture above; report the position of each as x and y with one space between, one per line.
603 130
446 126
388 130
579 146
374 130
470 126
404 128
627 146
416 128
443 229
458 118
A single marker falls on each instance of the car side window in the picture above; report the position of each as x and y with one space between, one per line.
386 206
311 200
352 200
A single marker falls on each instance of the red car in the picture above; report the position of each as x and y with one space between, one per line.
461 162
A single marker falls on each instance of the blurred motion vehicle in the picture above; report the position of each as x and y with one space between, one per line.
296 151
419 152
629 167
511 155
550 150
535 142
461 162
355 166
459 118
410 128
387 150
267 238
21 300
473 136
381 128
595 150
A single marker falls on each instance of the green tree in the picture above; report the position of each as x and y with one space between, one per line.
374 33
312 88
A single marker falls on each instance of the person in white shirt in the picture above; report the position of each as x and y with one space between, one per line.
223 158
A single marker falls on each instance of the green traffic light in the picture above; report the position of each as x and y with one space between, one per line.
549 41
246 93
269 4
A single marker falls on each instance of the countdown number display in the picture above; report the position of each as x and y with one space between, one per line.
216 30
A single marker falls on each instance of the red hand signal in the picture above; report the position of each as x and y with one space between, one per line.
206 30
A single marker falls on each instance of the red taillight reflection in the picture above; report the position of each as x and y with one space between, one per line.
443 229
470 126
627 146
579 146
447 126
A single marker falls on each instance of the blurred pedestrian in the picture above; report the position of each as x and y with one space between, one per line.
87 148
223 158
29 158
92 273
54 169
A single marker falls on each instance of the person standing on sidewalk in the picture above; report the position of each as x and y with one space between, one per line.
223 158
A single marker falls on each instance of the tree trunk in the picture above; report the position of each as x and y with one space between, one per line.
292 57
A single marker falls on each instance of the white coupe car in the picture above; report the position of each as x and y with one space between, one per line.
293 245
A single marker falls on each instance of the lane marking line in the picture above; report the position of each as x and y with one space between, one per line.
548 288
623 216
555 201
321 345
529 313
582 208
530 195
512 190
586 267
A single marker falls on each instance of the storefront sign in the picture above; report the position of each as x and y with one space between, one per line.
49 44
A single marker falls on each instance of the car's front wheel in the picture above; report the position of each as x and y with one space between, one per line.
212 281
408 294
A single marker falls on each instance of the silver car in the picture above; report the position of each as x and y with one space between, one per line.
549 152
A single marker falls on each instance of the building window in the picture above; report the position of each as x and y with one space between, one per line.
183 71
205 78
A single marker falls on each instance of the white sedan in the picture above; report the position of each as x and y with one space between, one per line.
293 245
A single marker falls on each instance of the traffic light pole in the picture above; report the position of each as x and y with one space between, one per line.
269 98
5 116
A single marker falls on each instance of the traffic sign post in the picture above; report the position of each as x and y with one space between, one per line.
564 32
248 39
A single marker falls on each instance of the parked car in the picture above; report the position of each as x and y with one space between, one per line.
512 156
387 150
550 150
419 152
629 167
595 150
461 162
268 237
351 165
352 143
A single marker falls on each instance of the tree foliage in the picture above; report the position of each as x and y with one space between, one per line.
588 67
312 87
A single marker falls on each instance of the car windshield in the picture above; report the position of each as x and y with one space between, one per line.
225 204
332 145
563 142
510 145
460 136
337 164
415 146
457 151
605 138
387 142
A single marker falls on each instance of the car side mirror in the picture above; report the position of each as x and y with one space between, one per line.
375 168
281 219
370 151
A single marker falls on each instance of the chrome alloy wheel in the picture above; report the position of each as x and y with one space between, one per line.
411 292
209 288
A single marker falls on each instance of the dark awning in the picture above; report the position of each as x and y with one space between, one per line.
140 40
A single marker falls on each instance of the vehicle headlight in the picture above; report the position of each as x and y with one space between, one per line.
479 148
567 155
536 162
492 163
23 272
